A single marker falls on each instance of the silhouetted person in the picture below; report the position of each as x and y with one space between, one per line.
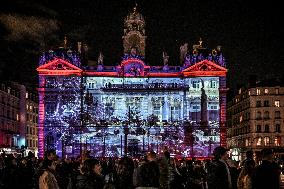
249 157
218 173
267 174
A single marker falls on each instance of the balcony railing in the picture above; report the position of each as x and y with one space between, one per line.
152 86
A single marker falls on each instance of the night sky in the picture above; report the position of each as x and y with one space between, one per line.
251 34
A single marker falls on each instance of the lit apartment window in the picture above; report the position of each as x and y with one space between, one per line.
27 95
17 117
277 91
258 141
266 141
240 91
27 106
249 92
241 118
247 142
277 103
265 91
257 91
277 141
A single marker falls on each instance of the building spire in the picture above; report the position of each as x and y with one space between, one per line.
135 8
200 42
65 42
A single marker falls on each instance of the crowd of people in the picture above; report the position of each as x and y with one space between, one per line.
150 172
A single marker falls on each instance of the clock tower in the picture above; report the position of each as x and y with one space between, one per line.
134 33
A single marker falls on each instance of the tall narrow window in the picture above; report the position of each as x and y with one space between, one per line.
258 141
258 115
277 114
257 91
277 91
266 115
277 141
266 128
277 103
258 128
266 103
266 141
277 128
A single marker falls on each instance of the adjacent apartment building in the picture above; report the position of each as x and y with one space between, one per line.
18 119
255 119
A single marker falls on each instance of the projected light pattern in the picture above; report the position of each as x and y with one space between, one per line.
154 112
62 111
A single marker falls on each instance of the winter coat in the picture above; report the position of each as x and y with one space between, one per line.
89 182
217 176
266 175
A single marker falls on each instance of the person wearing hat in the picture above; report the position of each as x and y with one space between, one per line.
218 173
267 174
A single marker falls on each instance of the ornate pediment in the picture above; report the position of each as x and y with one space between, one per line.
205 68
132 67
59 67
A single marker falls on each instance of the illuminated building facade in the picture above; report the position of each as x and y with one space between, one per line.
132 107
31 122
16 108
255 119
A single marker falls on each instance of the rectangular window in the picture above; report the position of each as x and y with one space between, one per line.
277 141
258 141
258 103
277 91
266 128
277 103
258 128
257 91
195 84
277 128
265 91
266 141
277 114
266 103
